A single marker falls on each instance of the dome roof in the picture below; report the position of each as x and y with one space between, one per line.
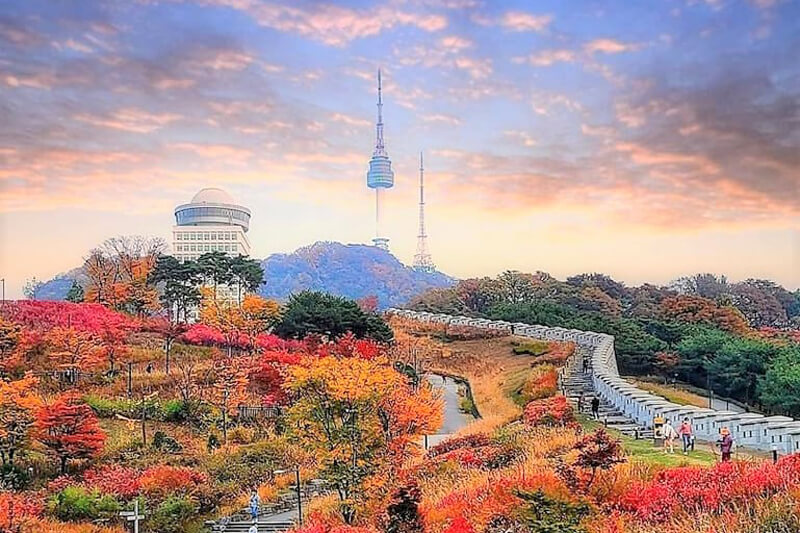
213 195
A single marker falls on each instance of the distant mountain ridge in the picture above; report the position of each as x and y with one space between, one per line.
350 270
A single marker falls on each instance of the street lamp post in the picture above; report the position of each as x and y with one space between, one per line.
3 281
297 486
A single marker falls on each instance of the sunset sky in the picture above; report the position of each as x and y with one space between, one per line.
643 139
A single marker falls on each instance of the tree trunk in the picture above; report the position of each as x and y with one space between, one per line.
63 464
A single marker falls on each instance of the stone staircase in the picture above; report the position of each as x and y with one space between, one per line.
577 385
263 527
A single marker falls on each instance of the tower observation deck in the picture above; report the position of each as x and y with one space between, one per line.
380 175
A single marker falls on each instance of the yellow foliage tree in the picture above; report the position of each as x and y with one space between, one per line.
18 404
358 417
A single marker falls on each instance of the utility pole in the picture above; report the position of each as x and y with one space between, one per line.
130 379
299 498
3 281
225 416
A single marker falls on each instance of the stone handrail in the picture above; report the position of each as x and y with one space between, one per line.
779 433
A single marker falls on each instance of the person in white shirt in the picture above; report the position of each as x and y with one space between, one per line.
669 437
253 529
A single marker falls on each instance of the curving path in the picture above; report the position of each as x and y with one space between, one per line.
453 418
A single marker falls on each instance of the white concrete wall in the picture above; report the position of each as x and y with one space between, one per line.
749 429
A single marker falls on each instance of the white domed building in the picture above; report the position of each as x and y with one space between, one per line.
211 222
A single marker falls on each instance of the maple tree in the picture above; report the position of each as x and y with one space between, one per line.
353 414
18 404
69 429
75 348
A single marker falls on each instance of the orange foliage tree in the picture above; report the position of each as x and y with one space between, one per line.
69 429
357 416
238 322
699 310
18 405
118 273
76 348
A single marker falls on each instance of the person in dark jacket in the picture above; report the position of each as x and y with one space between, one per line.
596 408
725 444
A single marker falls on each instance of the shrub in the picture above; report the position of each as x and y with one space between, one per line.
172 515
17 509
75 503
551 412
249 466
165 443
532 348
468 441
542 383
161 481
13 477
115 480
111 407
402 513
242 435
697 489
543 514
176 411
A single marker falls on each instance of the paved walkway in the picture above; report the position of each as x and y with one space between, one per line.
453 418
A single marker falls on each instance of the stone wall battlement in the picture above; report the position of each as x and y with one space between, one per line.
748 429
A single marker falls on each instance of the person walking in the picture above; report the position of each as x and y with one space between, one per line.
255 502
253 528
596 408
669 436
725 444
686 435
585 365
580 403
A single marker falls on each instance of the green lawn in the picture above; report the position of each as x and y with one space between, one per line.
643 450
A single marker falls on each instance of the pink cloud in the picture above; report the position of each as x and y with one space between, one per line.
609 46
520 21
331 24
213 151
545 58
130 119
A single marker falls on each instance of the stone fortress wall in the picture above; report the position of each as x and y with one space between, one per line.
752 430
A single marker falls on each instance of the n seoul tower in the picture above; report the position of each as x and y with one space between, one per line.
380 175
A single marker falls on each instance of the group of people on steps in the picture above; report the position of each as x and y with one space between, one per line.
725 442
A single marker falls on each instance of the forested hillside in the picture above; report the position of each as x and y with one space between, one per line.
350 270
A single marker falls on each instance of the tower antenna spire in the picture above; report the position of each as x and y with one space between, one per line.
379 146
422 259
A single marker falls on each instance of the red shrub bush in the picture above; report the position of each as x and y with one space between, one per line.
694 489
116 480
475 440
17 509
551 412
162 480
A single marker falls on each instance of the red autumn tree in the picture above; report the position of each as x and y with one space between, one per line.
69 429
